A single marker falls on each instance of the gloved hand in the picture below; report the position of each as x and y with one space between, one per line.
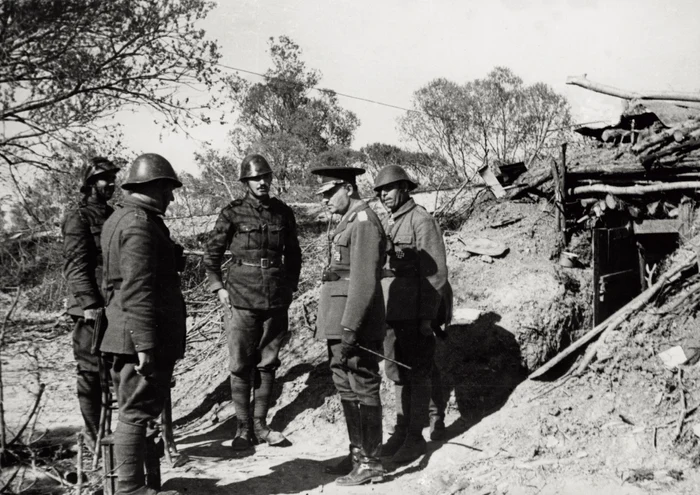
426 327
180 258
349 339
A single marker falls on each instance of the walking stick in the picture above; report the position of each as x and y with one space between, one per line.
383 357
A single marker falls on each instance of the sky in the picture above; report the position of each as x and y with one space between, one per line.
384 50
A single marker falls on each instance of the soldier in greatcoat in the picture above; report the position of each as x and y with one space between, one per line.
260 232
82 228
415 279
350 315
145 311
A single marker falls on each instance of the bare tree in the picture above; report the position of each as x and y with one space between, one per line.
493 119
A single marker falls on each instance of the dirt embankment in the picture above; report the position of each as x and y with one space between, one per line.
612 430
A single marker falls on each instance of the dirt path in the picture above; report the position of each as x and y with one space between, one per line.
569 441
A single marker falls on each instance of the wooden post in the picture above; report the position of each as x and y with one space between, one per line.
559 179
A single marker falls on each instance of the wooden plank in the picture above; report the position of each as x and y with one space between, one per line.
491 181
651 226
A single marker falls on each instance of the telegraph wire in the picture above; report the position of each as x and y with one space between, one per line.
367 100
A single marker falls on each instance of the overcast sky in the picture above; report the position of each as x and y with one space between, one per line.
385 50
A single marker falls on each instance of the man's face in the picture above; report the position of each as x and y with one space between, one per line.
167 196
394 195
259 186
104 186
337 200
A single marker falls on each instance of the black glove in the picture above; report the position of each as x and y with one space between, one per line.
349 339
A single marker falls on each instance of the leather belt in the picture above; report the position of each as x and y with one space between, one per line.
261 263
386 273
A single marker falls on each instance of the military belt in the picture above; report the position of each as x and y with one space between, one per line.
262 262
387 273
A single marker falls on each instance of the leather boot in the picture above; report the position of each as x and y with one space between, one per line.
370 468
262 396
414 444
129 455
90 400
352 420
403 405
240 396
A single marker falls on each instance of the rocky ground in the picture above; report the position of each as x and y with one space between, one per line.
612 430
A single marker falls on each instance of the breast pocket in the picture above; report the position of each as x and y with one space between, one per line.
276 235
249 236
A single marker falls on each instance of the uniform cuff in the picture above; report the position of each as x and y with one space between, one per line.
89 301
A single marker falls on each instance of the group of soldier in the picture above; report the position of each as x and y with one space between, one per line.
384 293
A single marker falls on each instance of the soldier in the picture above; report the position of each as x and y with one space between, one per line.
261 233
413 284
350 315
145 310
82 269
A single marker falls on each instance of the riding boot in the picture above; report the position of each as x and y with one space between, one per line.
240 396
352 419
262 397
370 468
90 400
129 454
403 406
414 444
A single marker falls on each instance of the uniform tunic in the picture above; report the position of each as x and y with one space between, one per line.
255 231
145 308
82 228
415 279
264 272
354 301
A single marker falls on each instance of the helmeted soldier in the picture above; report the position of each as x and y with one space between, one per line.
145 311
261 233
415 279
351 313
82 228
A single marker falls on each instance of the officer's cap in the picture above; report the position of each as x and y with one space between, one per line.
332 176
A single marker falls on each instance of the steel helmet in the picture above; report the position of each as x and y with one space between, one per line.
390 174
97 167
149 167
254 166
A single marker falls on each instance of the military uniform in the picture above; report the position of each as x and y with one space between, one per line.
414 280
351 299
82 228
354 301
145 310
264 272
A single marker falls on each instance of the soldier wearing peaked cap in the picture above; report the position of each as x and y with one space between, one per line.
145 311
414 284
261 233
82 229
351 312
